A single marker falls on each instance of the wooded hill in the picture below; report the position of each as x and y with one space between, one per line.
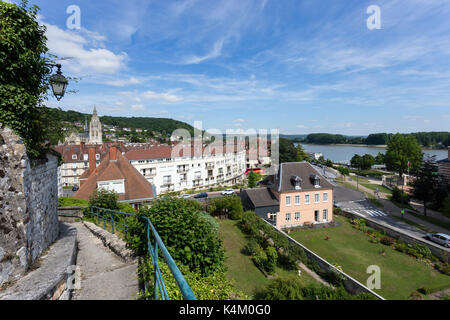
438 140
164 126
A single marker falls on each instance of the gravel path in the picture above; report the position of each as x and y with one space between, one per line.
104 276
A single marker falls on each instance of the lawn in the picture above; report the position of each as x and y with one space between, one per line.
375 186
241 269
401 274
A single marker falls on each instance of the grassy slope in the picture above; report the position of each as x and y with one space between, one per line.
241 268
400 274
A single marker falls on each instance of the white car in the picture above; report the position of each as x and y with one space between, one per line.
228 192
441 238
185 196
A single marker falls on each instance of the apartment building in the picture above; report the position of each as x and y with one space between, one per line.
298 194
169 170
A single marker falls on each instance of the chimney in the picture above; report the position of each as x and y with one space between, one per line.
82 148
112 153
92 160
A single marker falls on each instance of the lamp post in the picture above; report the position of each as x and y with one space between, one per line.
58 82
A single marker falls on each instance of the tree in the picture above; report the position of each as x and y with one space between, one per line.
229 207
252 179
287 150
356 161
24 78
301 154
426 183
402 149
367 161
379 159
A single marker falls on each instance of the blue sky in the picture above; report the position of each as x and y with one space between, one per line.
296 65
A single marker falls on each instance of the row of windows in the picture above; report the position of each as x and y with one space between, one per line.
307 200
316 216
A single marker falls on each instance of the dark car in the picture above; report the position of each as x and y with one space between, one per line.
201 195
75 188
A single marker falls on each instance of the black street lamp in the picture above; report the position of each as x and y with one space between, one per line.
58 82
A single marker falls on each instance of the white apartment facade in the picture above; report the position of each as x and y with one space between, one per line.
168 173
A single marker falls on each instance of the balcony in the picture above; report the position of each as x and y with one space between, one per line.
150 174
182 170
210 166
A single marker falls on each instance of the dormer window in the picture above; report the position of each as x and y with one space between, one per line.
74 157
315 180
296 182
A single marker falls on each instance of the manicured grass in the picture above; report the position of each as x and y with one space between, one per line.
375 186
401 274
241 269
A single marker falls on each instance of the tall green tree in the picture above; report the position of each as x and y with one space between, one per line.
402 149
24 78
287 150
252 180
425 186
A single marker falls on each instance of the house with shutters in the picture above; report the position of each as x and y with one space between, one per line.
297 195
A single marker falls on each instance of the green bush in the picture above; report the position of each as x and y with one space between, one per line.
214 286
230 207
423 250
444 268
287 262
428 290
271 261
252 248
388 241
188 237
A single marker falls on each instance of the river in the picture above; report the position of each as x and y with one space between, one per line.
342 153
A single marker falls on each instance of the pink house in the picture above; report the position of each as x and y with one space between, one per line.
298 194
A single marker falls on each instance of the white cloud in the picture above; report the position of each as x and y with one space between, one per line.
151 95
138 107
86 49
301 126
239 120
214 53
123 82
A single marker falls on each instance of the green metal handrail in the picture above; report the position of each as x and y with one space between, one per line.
113 216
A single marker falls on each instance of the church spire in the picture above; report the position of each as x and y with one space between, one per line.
95 112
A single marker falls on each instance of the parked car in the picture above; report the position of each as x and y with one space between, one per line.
336 204
75 188
201 195
185 196
228 192
441 238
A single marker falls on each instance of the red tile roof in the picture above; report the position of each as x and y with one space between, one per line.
136 186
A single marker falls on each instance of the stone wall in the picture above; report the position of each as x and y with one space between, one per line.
28 206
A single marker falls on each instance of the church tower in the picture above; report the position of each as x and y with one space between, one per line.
95 129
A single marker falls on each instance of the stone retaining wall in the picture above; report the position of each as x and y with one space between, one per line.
28 206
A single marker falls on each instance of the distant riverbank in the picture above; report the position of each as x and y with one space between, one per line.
344 152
